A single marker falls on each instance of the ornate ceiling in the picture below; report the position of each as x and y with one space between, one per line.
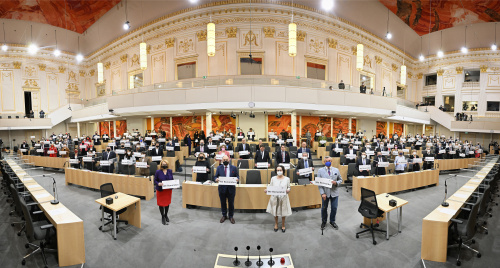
443 14
72 15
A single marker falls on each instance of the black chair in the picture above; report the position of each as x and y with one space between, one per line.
369 209
253 177
464 229
170 153
18 211
484 198
243 164
343 160
107 190
351 171
153 166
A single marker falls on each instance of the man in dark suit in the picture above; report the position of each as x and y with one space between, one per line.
244 147
350 150
226 192
362 88
363 161
75 155
111 157
381 136
379 158
428 164
282 156
284 134
439 155
336 145
415 166
97 139
304 162
262 156
24 145
304 149
202 148
211 143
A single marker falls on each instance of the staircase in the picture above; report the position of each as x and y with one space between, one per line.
439 116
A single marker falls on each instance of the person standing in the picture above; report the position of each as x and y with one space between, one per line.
329 195
279 205
362 88
341 84
308 137
202 162
226 192
187 142
304 162
163 196
399 162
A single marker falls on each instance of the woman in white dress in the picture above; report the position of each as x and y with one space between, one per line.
279 205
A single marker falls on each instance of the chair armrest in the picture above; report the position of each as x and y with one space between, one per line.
32 204
37 212
456 221
466 209
470 204
46 226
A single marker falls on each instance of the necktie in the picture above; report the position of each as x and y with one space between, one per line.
363 162
262 155
329 172
283 154
306 164
201 148
243 147
225 170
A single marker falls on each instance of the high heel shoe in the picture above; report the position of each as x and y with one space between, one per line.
275 229
283 230
167 219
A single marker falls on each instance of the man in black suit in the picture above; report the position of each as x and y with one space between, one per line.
381 136
350 150
282 156
379 158
261 156
304 162
211 143
362 88
304 149
138 149
75 155
336 145
157 151
428 164
24 145
111 157
363 161
439 155
415 166
226 192
202 148
244 147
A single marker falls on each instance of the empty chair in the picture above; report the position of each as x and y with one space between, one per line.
329 148
343 160
351 171
265 144
243 163
153 166
292 148
464 229
170 153
369 209
253 148
107 190
253 177
329 139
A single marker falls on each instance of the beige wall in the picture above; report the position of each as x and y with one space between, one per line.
258 124
136 123
369 125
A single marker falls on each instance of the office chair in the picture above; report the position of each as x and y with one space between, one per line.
170 153
343 160
484 198
464 234
107 190
243 164
153 166
351 171
41 231
253 177
369 209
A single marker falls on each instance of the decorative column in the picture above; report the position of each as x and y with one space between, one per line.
171 129
458 89
114 128
293 122
439 88
78 129
350 124
423 129
387 129
482 98
208 122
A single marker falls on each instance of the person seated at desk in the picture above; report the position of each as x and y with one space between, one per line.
128 156
437 152
210 143
261 156
54 149
202 148
251 135
83 150
304 162
282 156
241 134
379 158
163 196
415 166
143 171
399 168
25 146
226 192
336 145
90 165
229 145
110 156
202 162
244 147
138 149
177 145
187 142
304 149
97 139
223 151
157 151
279 205
363 161
350 150
64 149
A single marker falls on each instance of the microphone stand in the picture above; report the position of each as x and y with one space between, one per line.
446 204
54 189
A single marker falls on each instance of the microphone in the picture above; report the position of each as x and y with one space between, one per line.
446 204
259 262
248 263
270 262
236 262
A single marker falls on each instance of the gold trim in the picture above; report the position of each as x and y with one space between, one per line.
378 59
440 72
301 35
62 69
269 31
394 67
420 75
459 70
169 42
231 32
332 43
107 65
153 61
42 67
82 73
124 58
17 64
484 68
202 35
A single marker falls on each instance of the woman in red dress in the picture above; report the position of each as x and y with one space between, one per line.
54 149
163 196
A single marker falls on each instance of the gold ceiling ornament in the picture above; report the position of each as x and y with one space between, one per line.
378 59
231 32
135 60
30 83
459 70
420 75
394 67
332 43
410 75
42 67
72 89
107 65
440 72
354 50
148 49
301 36
169 42
124 58
250 38
202 36
92 72
82 73
367 61
17 64
483 68
269 31
62 69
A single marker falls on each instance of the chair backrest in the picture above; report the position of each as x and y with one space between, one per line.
368 206
292 149
472 220
343 159
253 177
106 189
30 230
485 199
328 148
243 163
351 169
170 153
265 144
153 166
16 198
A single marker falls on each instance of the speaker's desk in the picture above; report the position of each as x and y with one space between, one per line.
121 201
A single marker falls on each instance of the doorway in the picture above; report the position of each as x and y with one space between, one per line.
449 103
27 103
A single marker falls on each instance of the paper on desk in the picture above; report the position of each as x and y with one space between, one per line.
42 195
33 186
461 195
447 211
28 179
477 180
469 187
57 211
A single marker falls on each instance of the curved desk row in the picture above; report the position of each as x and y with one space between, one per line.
46 161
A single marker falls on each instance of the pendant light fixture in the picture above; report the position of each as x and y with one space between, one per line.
57 52
100 69
292 37
32 48
143 53
440 52
464 48
493 47
126 25
4 46
421 57
388 35
211 38
403 67
79 57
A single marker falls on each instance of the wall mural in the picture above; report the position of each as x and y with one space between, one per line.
80 14
183 124
313 123
343 124
443 14
278 124
223 123
104 128
162 124
381 128
121 127
398 128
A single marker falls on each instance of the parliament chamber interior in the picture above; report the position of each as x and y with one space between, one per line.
249 133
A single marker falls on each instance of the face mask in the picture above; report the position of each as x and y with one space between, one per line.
363 156
164 167
225 163
108 150
328 164
201 144
128 153
279 173
379 155
414 153
223 149
400 154
350 147
202 159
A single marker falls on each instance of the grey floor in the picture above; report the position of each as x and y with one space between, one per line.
194 237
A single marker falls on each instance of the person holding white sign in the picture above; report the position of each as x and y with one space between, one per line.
163 196
202 148
304 149
110 156
380 159
261 156
202 162
244 147
282 156
305 162
329 195
279 205
400 163
415 166
223 152
25 146
54 150
226 192
428 164
351 151
363 161
251 134
336 149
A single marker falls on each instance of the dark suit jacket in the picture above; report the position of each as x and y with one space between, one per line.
307 150
362 89
233 172
259 158
198 149
301 165
335 154
380 170
279 157
157 152
247 148
360 162
202 177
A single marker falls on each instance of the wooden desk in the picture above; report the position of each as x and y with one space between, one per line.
394 183
247 196
435 225
46 161
132 214
458 163
383 204
69 227
138 186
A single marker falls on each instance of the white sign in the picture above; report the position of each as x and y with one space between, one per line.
171 184
350 156
62 152
370 152
338 150
169 148
385 152
251 133
148 138
383 164
442 151
73 161
323 182
461 155
127 145
161 140
228 139
127 162
430 159
39 150
87 159
394 152
120 151
355 147
23 150
305 171
285 165
357 142
200 169
230 152
156 158
289 140
219 156
227 181
318 134
262 165
275 190
240 137
406 150
137 154
322 141
83 146
471 152
452 152
176 144
104 163
32 137
243 153
111 144
280 141
417 160
401 162
364 167
141 164
210 147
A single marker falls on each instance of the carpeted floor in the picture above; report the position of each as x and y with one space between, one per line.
194 237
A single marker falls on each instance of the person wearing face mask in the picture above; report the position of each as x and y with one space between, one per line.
111 157
329 195
229 145
226 192
305 162
304 149
428 164
157 151
279 205
262 156
415 166
282 156
128 169
202 148
399 163
336 145
363 161
163 196
379 158
25 146
64 149
243 146
202 162
350 150
223 151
